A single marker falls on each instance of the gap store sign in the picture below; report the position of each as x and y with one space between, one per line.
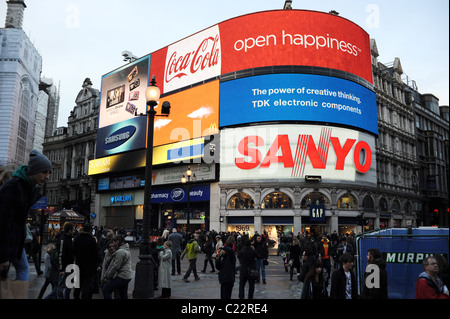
297 97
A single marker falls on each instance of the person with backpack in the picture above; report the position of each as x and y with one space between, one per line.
192 249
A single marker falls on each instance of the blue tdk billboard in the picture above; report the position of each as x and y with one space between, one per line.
297 97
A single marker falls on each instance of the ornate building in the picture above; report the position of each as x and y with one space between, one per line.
397 198
70 149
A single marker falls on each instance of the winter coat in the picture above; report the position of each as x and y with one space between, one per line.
107 265
51 271
86 254
208 248
427 288
121 264
226 263
339 283
177 240
64 246
261 249
16 198
192 249
376 293
247 258
165 268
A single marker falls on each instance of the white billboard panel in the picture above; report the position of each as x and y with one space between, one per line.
296 151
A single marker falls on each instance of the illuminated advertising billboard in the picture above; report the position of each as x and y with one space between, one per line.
292 152
269 38
197 151
122 137
123 92
194 113
297 97
295 37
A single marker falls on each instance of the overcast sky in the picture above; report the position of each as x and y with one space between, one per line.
80 38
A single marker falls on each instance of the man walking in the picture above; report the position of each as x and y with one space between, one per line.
176 239
192 249
16 198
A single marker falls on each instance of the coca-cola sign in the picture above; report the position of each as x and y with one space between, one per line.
193 59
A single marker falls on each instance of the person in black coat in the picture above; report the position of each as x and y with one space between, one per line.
226 264
376 267
343 280
66 257
86 257
208 249
247 259
308 258
16 198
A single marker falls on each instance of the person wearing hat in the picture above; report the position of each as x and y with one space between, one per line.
16 198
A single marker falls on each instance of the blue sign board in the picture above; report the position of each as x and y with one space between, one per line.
40 204
317 213
179 194
297 97
122 137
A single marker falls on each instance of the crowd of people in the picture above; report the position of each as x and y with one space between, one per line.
103 259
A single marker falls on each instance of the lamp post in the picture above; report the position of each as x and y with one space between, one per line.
187 180
143 286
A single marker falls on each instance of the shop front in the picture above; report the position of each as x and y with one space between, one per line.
276 227
178 207
241 224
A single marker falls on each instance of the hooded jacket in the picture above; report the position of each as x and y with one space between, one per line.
427 288
192 249
16 198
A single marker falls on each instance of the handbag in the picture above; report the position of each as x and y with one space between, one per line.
254 274
265 262
13 289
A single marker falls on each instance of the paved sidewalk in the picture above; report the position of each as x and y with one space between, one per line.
278 284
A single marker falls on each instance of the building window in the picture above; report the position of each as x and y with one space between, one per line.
276 200
395 206
408 208
383 205
314 198
347 201
241 201
368 204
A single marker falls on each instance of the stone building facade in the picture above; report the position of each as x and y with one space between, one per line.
70 149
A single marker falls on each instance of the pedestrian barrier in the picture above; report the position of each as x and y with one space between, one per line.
403 250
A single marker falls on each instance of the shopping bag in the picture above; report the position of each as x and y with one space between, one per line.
13 289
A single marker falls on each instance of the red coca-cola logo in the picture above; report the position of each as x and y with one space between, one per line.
205 56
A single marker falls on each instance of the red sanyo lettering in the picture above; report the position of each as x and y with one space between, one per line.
199 59
306 147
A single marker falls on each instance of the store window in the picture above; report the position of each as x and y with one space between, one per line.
383 205
277 200
241 201
347 201
314 198
368 204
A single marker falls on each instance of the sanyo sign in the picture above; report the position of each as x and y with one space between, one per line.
294 151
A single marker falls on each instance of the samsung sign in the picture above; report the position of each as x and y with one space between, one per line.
121 137
297 97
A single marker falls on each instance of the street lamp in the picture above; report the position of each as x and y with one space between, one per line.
143 286
188 180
